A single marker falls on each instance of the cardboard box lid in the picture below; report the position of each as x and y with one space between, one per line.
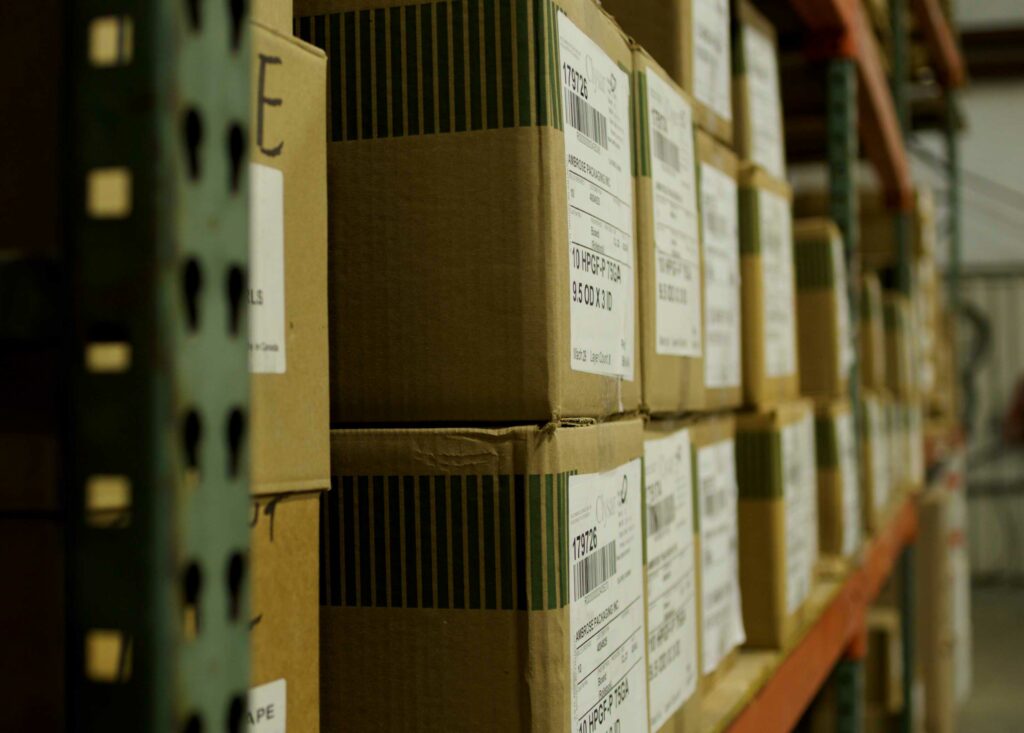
712 152
275 14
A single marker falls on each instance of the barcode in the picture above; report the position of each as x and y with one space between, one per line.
586 119
666 151
593 570
661 515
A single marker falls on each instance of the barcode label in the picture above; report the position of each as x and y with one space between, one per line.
586 119
666 151
592 571
661 515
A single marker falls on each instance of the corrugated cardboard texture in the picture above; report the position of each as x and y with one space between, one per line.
671 384
817 300
448 273
714 153
872 334
285 613
759 389
830 477
274 14
411 640
747 15
32 661
290 424
762 523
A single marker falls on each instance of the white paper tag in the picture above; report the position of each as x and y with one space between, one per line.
846 447
720 218
800 513
721 613
606 607
712 56
266 270
677 321
599 177
671 576
843 331
268 707
879 454
765 105
778 304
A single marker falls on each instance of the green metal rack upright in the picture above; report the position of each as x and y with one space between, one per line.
156 202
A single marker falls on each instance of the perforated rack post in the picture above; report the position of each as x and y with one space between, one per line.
156 195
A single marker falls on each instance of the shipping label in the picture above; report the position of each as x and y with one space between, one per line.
268 707
606 606
712 56
671 576
266 270
764 103
721 614
846 445
676 240
595 116
778 288
720 219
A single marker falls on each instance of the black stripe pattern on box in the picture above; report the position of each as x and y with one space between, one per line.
438 67
460 542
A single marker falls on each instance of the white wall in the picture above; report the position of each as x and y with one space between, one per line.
981 13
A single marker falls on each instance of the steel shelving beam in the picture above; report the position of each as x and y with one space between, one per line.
156 467
941 42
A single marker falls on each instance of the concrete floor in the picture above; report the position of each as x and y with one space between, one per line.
996 704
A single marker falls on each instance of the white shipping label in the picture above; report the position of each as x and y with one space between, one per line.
765 104
268 707
843 330
800 512
879 449
720 219
721 614
671 576
266 270
595 116
777 286
846 447
606 608
676 241
712 56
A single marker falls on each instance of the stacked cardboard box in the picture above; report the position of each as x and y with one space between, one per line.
290 452
872 347
839 500
900 361
876 475
778 518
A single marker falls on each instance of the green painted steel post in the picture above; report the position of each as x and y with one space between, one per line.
901 98
849 680
156 117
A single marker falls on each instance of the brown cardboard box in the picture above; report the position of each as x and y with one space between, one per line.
900 364
778 519
450 590
668 242
288 281
672 548
757 98
719 604
284 552
883 667
770 370
839 511
692 42
823 310
461 287
274 14
934 620
719 205
32 660
876 475
872 349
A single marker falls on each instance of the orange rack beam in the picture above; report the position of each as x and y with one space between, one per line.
779 705
941 43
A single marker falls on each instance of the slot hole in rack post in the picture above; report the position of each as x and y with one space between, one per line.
236 289
193 430
193 139
236 714
236 574
237 18
193 283
236 431
236 151
193 583
194 724
195 16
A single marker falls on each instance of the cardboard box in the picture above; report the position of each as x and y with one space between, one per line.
284 552
288 265
481 211
273 14
720 236
900 364
757 97
825 342
668 243
839 511
719 603
883 667
472 575
876 476
691 40
770 370
872 351
778 519
672 548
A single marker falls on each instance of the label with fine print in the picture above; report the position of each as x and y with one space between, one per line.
266 270
268 707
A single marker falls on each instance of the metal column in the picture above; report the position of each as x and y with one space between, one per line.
156 459
849 680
